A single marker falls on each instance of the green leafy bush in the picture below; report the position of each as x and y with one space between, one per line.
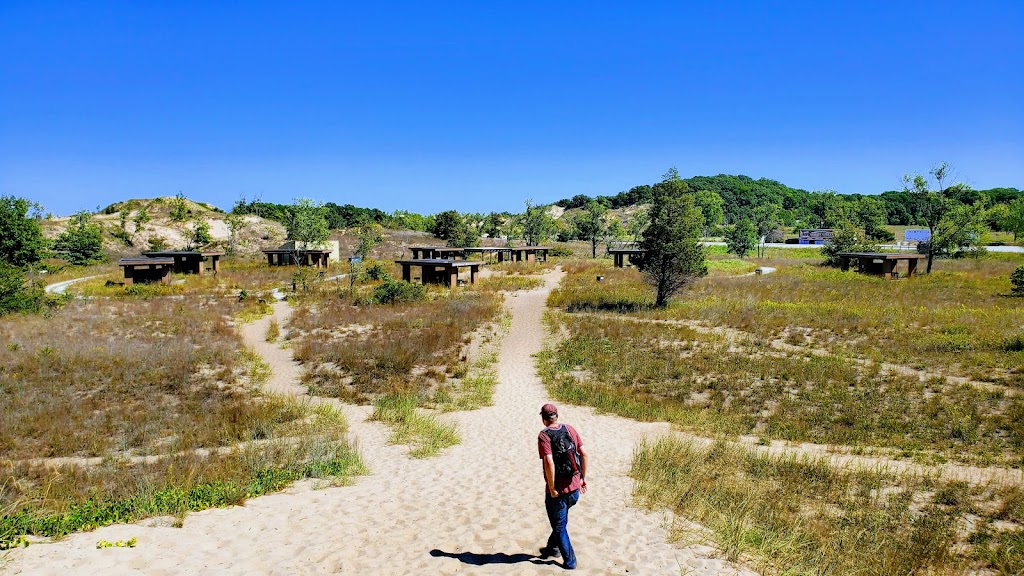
82 242
844 240
1017 280
376 271
15 294
394 292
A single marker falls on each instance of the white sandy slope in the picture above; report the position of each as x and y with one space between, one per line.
476 509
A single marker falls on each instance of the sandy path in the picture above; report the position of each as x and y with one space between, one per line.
61 287
477 508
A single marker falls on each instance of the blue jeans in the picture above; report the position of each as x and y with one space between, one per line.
558 516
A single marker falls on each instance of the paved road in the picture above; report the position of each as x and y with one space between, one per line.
1015 249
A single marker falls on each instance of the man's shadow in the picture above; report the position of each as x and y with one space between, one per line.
476 559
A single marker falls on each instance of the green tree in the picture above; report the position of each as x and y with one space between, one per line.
82 242
741 238
538 226
448 225
997 216
931 206
179 208
493 224
637 224
512 230
1017 281
15 294
198 235
21 237
589 224
845 238
961 231
711 206
235 224
830 209
766 220
140 220
307 223
1014 221
673 256
370 235
870 216
615 232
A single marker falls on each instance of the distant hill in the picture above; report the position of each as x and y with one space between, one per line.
741 194
170 219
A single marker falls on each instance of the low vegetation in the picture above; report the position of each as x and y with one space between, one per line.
802 516
119 409
510 283
957 320
425 433
710 383
361 352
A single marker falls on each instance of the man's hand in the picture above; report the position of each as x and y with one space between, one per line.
553 492
583 487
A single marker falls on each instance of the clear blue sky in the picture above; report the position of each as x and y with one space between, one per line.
480 105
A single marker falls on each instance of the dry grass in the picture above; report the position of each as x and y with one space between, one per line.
121 379
360 352
125 376
798 355
958 319
524 268
709 383
801 516
509 283
236 275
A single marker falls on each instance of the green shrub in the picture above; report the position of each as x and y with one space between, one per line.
376 271
394 292
559 251
15 294
1017 280
82 242
844 240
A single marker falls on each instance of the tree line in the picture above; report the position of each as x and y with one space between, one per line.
727 199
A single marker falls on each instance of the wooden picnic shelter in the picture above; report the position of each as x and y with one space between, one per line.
423 252
437 252
881 263
146 269
488 253
439 271
316 257
620 255
189 261
528 253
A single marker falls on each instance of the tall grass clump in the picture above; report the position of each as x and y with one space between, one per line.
510 283
618 290
803 516
425 433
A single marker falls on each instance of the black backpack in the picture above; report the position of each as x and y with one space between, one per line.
564 453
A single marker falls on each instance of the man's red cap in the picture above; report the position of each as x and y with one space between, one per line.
549 409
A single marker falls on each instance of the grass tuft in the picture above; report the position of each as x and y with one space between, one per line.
426 434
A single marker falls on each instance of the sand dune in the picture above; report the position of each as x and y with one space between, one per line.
477 508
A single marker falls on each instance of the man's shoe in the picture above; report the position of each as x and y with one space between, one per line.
546 552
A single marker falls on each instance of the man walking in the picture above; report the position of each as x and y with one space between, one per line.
565 470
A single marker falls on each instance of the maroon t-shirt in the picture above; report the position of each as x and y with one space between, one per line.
544 447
